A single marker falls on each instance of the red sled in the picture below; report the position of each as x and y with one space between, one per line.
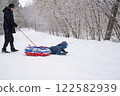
37 51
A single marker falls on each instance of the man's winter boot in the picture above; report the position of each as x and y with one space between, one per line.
14 50
4 51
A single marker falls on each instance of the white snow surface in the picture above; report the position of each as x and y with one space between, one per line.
86 60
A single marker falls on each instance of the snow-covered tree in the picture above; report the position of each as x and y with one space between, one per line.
82 19
2 5
111 10
32 19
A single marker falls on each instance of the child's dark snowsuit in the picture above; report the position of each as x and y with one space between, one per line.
59 49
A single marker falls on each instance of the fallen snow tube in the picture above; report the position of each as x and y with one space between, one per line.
37 51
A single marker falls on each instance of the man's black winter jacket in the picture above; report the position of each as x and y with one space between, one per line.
9 24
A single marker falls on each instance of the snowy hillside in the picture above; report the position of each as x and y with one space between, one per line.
86 59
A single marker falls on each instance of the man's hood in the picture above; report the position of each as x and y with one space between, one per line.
6 9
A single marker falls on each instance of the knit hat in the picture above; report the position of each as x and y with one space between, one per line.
11 6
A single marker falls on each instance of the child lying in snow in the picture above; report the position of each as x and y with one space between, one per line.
59 49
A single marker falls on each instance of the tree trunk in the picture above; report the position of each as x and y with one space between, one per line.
111 20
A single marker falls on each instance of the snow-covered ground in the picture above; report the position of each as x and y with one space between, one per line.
86 60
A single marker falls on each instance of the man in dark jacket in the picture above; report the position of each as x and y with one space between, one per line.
59 49
9 28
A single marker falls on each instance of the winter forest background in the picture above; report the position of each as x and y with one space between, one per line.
81 19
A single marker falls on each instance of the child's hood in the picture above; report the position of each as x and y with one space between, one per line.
64 44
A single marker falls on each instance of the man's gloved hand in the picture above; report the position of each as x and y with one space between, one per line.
18 27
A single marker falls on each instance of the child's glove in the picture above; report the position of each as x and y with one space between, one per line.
66 52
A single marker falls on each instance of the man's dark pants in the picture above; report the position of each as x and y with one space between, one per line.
8 39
